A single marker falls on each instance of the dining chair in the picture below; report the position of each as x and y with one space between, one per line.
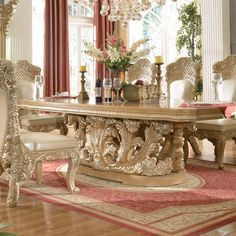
182 77
217 131
20 151
144 70
25 74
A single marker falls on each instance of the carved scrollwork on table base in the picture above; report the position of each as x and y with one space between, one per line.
136 180
127 150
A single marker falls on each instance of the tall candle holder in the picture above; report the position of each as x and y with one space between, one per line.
158 79
83 94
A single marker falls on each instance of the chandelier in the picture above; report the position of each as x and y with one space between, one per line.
125 10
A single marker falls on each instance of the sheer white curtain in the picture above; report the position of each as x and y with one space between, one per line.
160 25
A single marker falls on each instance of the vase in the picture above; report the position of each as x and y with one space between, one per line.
117 73
122 76
113 73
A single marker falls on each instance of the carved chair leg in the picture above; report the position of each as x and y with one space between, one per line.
219 150
13 192
194 145
213 141
186 150
73 164
38 172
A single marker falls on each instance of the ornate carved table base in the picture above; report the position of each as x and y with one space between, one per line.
137 152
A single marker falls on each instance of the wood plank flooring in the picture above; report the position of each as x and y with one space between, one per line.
37 218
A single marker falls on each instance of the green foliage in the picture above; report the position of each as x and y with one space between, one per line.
199 88
189 34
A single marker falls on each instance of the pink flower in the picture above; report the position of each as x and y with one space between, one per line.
122 48
113 39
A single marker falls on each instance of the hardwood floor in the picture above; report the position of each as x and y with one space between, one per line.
37 218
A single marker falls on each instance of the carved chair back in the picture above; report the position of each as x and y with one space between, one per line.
183 73
9 128
143 69
25 74
227 68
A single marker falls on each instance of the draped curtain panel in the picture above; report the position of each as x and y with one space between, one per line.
103 26
56 47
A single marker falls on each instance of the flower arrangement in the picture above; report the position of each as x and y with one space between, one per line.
116 56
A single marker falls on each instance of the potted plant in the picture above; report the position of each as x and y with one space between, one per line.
189 35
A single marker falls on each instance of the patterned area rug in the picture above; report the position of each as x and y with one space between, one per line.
207 200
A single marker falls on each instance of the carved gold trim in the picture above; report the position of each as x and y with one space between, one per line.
6 14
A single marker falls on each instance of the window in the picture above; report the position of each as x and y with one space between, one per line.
81 29
160 25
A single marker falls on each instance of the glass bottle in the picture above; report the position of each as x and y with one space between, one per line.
98 90
107 86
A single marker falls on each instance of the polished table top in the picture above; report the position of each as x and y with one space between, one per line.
147 110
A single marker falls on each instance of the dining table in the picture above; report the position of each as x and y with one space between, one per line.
136 143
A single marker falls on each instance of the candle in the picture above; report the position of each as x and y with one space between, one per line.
158 59
82 69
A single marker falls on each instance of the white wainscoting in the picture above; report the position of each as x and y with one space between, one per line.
215 39
19 42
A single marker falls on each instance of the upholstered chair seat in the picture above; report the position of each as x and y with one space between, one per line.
40 141
25 74
220 125
22 151
219 130
34 122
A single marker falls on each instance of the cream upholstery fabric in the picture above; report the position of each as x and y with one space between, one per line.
183 69
217 124
227 90
23 131
39 141
40 119
181 89
25 89
3 117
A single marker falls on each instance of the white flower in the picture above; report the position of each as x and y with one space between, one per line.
94 52
116 55
135 56
113 54
138 44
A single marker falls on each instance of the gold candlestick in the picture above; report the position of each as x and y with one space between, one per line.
83 94
158 79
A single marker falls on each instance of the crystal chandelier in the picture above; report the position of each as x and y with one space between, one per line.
125 10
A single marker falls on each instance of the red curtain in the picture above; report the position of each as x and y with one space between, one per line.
56 47
103 26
